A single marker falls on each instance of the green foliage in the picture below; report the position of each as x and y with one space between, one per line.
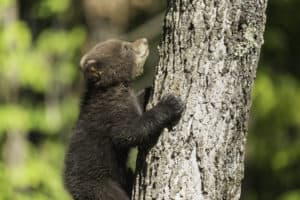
39 177
274 138
47 8
37 74
276 100
291 195
273 152
47 120
5 4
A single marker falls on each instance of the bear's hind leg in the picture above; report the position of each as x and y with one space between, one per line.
94 190
112 191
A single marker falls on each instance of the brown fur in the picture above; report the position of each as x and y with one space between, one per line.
110 123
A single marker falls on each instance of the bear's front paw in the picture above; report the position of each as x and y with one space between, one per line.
175 107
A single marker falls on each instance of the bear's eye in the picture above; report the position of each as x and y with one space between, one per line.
93 69
127 47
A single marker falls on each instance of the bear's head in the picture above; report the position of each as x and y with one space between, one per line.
114 61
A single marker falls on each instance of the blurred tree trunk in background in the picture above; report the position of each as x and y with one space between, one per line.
14 148
112 19
105 19
208 56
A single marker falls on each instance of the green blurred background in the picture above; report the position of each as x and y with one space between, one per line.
40 46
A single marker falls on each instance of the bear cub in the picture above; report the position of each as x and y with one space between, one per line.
111 121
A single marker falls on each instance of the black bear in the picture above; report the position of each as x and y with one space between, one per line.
111 121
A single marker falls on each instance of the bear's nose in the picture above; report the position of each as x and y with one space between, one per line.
143 41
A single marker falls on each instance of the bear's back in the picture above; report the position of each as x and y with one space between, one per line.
91 154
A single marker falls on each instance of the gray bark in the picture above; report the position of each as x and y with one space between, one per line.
208 57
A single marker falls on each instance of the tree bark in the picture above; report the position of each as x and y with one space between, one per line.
208 57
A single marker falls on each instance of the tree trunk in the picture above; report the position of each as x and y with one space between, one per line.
208 57
14 148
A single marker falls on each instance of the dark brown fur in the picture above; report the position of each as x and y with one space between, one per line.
110 123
